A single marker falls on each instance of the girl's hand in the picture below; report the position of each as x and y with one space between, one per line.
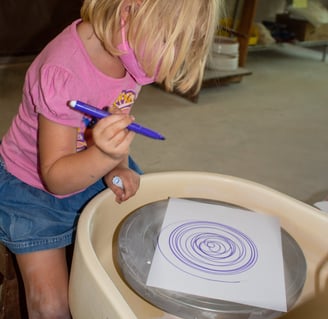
131 182
111 136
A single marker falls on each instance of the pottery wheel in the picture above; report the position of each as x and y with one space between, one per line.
137 240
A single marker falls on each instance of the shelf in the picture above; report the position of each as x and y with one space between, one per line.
306 44
215 78
221 75
319 43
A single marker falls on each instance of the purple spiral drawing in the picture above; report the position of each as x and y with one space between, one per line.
208 250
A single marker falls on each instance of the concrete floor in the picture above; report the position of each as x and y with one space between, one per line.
272 128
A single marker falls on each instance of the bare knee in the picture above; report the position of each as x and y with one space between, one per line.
45 279
42 307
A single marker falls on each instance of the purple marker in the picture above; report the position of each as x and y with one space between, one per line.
97 113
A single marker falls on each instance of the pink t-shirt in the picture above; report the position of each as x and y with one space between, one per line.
62 72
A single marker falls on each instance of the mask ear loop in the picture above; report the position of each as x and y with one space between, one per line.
123 35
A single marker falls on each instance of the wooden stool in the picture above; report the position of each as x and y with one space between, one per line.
10 304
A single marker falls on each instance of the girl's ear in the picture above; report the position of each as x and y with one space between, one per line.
126 7
125 10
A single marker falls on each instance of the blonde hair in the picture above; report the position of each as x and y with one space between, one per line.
178 33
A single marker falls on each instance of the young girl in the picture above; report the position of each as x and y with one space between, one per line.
49 168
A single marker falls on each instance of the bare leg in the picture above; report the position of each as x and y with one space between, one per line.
45 278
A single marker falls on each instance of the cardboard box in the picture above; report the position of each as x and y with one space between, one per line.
304 30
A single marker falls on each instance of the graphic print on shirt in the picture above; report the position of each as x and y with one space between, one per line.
81 143
123 103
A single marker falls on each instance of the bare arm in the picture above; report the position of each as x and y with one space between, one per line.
64 170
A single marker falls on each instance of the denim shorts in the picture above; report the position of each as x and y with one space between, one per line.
33 220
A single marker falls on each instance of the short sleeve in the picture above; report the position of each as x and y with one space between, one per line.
52 93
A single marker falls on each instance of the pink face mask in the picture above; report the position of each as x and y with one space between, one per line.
131 63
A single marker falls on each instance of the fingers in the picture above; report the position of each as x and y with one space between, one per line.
130 183
111 136
120 194
124 194
112 125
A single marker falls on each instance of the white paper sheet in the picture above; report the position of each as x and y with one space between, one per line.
322 206
220 252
